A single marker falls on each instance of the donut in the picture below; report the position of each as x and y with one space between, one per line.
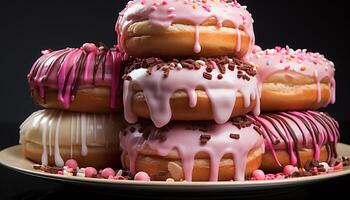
293 138
189 89
292 80
51 137
193 151
85 79
166 28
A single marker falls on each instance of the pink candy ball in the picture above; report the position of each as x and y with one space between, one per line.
259 175
90 172
47 51
108 172
142 176
89 47
71 163
289 170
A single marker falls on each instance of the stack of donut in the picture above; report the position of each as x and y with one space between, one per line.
201 101
194 87
80 91
187 87
291 84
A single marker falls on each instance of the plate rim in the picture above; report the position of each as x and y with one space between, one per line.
161 185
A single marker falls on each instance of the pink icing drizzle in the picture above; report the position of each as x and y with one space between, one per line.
158 91
77 68
164 14
187 143
315 65
309 129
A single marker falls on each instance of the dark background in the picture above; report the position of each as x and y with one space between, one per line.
31 26
27 27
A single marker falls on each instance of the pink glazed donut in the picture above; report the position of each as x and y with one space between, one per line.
86 79
293 79
189 89
183 28
193 151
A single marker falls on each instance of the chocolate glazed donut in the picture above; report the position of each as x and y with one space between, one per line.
293 138
85 79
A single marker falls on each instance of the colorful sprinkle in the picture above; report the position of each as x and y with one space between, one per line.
154 8
259 175
171 16
289 170
171 9
73 164
302 68
142 176
108 172
90 172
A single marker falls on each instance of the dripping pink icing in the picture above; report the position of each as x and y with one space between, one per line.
70 69
164 14
312 130
187 143
314 65
159 90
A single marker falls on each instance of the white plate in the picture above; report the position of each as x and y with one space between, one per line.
13 159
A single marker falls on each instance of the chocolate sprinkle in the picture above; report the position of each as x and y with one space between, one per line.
245 71
346 161
49 169
206 75
311 164
209 69
132 129
235 136
204 139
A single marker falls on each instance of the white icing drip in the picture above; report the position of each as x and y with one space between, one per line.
71 136
53 123
78 128
84 127
58 159
44 157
